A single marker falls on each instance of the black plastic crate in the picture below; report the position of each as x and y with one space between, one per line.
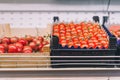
56 50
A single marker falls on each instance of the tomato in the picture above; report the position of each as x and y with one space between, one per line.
55 30
55 26
82 24
75 46
6 46
99 45
68 34
40 38
12 48
78 30
19 45
35 39
23 41
83 42
63 44
2 51
6 40
85 34
27 49
56 34
91 45
81 38
19 50
106 46
2 46
90 41
38 42
104 35
95 41
45 42
70 44
63 35
62 32
79 27
0 41
84 46
62 38
75 39
28 38
40 47
13 39
32 45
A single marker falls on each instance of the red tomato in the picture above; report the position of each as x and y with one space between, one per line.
56 27
84 45
38 42
63 44
75 46
27 49
62 38
6 40
62 32
82 24
35 39
19 45
40 38
78 30
40 47
23 41
6 46
83 42
91 45
13 39
56 30
2 46
28 38
89 24
106 46
103 42
19 50
56 34
32 45
99 45
2 51
104 35
0 41
70 44
12 48
45 42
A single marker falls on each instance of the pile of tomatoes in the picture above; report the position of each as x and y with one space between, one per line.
84 35
27 44
115 30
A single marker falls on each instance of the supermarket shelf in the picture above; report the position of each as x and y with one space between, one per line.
59 69
61 72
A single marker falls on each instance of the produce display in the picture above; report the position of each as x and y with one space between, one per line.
27 44
81 35
115 30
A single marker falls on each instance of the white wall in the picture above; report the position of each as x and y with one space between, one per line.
39 13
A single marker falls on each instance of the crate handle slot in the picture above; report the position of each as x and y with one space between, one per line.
55 19
96 19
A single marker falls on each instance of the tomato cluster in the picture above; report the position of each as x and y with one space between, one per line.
116 32
83 35
27 44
